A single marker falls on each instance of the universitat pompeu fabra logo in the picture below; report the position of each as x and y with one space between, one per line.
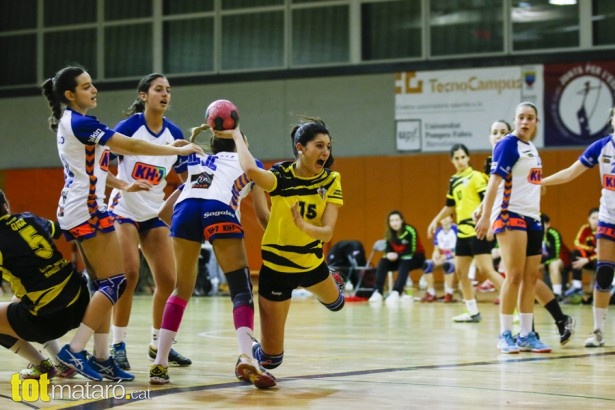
582 102
32 390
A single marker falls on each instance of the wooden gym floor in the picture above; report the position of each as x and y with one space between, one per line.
411 356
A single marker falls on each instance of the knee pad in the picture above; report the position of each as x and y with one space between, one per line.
7 341
604 276
428 266
113 287
267 361
449 267
240 287
337 305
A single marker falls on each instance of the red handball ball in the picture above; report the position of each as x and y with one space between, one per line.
222 115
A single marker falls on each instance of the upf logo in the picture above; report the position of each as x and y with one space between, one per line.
535 176
608 182
29 389
149 173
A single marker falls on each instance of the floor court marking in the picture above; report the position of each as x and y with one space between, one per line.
537 357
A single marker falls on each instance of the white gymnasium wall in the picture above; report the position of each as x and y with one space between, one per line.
359 111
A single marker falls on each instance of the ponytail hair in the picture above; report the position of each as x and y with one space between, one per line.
53 89
216 144
306 131
143 87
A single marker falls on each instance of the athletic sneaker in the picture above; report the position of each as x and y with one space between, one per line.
566 329
376 297
79 362
531 343
393 298
250 371
64 371
506 343
118 352
428 298
573 291
158 374
35 372
448 298
109 369
175 358
486 287
596 340
467 318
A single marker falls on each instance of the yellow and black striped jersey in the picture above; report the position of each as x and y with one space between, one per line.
29 260
285 248
465 193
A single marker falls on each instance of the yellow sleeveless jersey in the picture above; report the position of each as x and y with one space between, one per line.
285 248
465 193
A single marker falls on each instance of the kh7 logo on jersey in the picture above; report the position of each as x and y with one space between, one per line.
535 176
149 173
608 182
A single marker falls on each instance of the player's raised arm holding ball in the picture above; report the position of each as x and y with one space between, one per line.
305 197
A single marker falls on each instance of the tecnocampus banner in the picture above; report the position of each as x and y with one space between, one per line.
578 102
437 109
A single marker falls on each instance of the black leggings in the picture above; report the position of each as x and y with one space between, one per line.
403 266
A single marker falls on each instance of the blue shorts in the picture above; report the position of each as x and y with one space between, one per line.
142 226
514 221
99 222
197 220
605 231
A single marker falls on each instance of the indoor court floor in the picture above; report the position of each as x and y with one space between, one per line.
408 356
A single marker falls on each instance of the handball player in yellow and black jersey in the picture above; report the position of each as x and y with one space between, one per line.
305 197
466 190
50 295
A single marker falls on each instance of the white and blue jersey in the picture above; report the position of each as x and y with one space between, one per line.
519 164
80 140
208 206
143 205
446 240
216 177
602 153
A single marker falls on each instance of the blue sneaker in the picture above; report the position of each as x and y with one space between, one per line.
79 362
118 352
109 369
506 343
573 291
531 343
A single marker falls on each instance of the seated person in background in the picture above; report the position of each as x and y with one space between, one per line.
555 258
443 255
583 256
404 252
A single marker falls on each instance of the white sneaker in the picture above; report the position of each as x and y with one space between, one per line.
423 283
406 298
467 318
393 298
596 340
376 297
